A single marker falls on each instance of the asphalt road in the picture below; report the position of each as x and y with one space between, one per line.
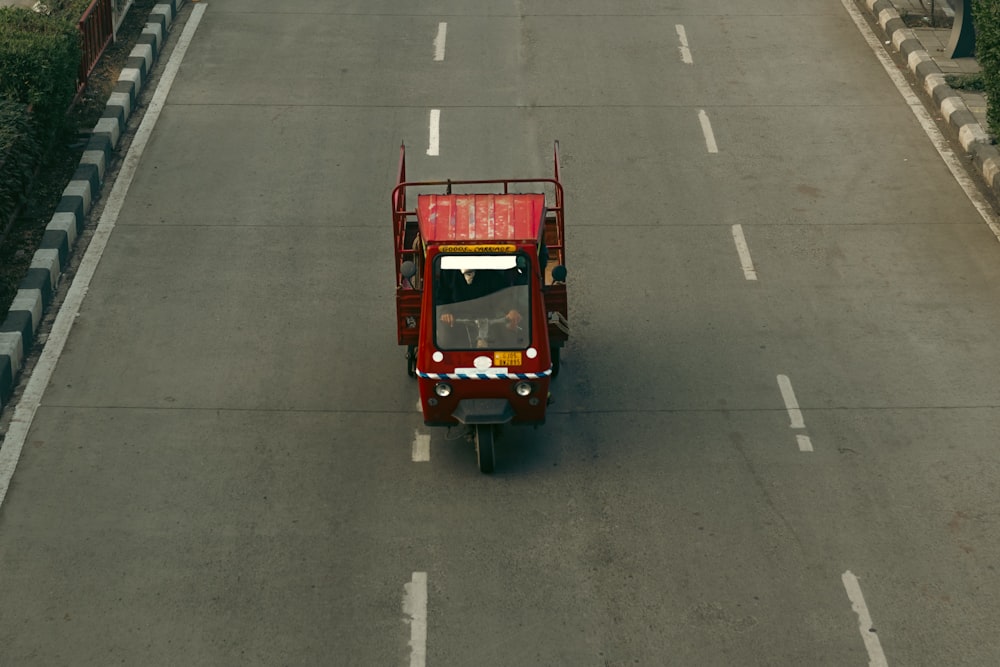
220 471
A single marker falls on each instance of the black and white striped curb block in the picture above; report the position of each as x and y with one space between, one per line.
974 139
34 294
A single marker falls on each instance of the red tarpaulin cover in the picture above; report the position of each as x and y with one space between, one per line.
486 217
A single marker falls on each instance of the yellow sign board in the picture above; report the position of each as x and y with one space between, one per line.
480 249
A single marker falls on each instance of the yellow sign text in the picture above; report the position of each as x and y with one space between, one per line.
480 249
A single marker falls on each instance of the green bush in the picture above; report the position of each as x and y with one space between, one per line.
986 17
39 61
20 151
71 9
973 81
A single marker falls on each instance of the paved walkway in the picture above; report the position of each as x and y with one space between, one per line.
936 41
924 47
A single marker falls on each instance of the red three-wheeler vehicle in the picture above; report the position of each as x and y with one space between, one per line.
481 298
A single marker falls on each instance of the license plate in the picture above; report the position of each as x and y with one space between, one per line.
506 358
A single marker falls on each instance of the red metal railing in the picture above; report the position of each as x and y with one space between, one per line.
96 30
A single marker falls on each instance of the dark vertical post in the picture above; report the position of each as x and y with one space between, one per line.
963 33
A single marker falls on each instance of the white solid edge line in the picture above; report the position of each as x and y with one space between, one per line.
421 447
28 404
805 444
434 132
917 107
792 405
415 606
439 41
685 51
876 658
706 127
744 252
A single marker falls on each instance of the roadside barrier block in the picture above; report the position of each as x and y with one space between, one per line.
122 100
79 189
48 259
146 53
24 317
37 289
58 240
117 113
110 127
133 75
991 169
98 160
904 34
164 11
30 301
174 6
102 143
885 17
11 346
90 174
969 132
72 206
128 88
19 322
152 34
66 223
7 373
41 280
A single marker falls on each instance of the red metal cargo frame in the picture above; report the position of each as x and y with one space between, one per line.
407 247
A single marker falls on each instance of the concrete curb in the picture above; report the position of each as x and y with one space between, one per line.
18 332
963 124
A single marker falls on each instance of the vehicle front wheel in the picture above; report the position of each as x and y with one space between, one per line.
554 354
484 447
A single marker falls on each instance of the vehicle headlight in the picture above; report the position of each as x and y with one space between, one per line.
442 389
523 388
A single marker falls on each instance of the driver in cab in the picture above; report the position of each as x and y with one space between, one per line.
471 284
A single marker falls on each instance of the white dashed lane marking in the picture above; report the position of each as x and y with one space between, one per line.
434 133
415 608
794 413
791 403
876 658
744 252
439 40
685 51
706 128
421 447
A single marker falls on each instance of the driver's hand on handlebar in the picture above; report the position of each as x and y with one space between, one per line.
448 319
514 319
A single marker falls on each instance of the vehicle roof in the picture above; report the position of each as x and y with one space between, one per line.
480 217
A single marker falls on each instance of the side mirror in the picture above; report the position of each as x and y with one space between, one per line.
559 274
